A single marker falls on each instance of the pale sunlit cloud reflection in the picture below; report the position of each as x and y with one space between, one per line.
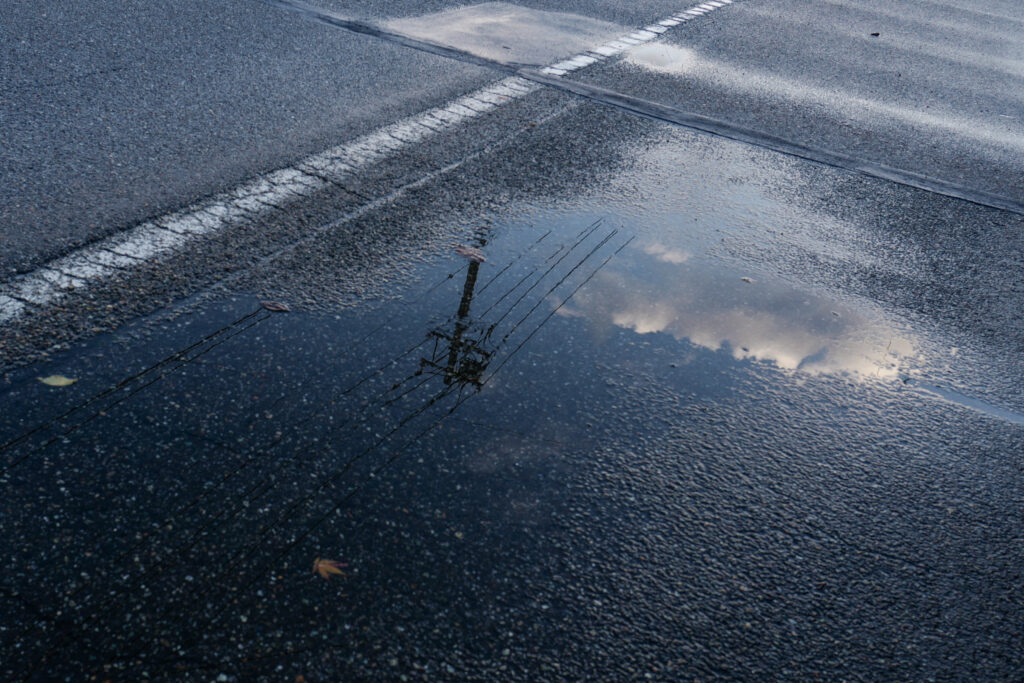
749 318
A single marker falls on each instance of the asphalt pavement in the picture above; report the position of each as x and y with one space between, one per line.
697 356
113 114
932 88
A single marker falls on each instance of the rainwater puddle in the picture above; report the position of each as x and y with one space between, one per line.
604 410
445 447
510 33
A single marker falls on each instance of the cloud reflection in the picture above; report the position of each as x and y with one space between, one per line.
749 318
666 254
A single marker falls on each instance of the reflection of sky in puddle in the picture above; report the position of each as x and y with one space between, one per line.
655 288
682 277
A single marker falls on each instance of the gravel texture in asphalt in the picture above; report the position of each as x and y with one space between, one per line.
562 392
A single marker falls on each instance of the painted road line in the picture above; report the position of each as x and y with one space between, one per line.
626 42
161 237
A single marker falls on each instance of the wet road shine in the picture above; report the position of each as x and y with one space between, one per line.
598 398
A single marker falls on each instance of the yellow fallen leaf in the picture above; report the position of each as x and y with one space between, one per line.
57 381
276 306
472 253
327 567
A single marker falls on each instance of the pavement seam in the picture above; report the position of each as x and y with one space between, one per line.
756 138
163 236
550 76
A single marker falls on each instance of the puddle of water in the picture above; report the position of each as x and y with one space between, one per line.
447 445
510 33
420 442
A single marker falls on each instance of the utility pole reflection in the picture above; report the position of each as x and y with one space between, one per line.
458 357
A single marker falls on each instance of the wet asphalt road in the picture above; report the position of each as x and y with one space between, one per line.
116 113
934 88
705 411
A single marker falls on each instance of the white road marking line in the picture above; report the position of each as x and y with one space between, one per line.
163 236
623 43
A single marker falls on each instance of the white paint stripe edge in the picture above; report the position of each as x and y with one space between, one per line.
162 236
165 235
